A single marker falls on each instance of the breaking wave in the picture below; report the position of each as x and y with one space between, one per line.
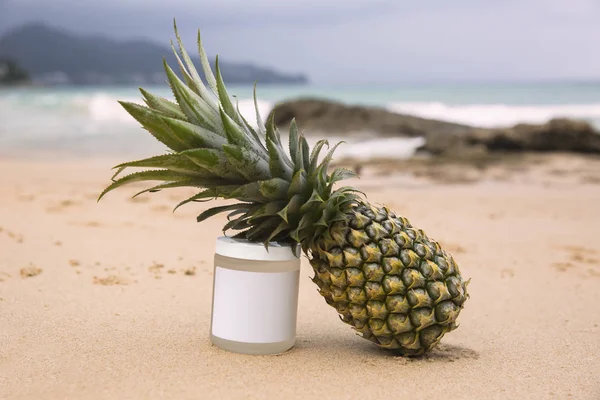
103 107
498 115
66 117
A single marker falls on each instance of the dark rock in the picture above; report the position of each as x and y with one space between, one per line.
557 135
465 142
442 138
313 115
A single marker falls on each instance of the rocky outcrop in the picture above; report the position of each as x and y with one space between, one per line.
564 135
317 116
441 138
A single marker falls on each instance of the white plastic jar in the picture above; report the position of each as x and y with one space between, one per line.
255 297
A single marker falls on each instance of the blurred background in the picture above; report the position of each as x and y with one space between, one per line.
478 120
489 65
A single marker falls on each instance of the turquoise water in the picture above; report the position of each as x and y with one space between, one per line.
90 119
453 94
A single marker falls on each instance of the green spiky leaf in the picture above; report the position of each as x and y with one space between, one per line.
299 183
226 103
193 136
208 74
216 210
259 121
293 141
246 163
153 123
277 161
267 210
236 224
161 105
237 136
314 156
172 162
292 207
246 125
192 105
214 161
195 77
280 229
258 232
154 175
273 135
182 183
234 213
184 72
314 200
305 153
322 168
275 188
204 195
306 221
261 191
340 174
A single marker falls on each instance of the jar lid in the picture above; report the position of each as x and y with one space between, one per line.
247 250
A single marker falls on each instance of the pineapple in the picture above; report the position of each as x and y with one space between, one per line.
394 285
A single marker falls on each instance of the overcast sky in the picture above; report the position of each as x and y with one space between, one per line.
356 41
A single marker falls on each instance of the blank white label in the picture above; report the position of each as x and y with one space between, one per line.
255 307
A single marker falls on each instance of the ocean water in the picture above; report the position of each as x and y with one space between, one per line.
88 120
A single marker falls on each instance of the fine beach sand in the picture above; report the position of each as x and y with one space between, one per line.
112 300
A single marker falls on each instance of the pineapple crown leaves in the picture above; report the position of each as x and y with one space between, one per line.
283 195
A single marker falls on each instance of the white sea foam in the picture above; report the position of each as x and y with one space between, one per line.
361 149
482 115
390 148
497 115
103 107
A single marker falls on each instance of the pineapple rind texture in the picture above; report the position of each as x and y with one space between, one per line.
395 286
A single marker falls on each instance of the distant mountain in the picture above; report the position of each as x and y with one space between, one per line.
54 56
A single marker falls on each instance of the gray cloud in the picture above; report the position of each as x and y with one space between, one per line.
360 41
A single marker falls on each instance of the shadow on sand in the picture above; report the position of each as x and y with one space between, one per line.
441 353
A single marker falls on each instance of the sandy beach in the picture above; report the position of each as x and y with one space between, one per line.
112 300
